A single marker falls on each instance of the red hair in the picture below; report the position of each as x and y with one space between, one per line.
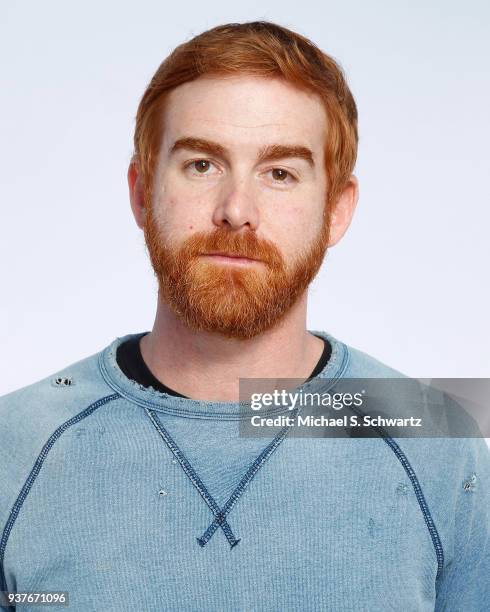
258 48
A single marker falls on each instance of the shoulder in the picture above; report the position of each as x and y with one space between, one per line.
349 362
453 476
34 416
457 445
55 397
364 365
449 470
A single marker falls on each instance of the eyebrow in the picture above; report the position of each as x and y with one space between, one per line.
270 152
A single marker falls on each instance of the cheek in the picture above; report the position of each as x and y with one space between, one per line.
179 218
296 227
301 222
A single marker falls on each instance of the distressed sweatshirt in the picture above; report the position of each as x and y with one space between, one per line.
128 498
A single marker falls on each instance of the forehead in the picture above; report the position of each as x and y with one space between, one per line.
245 111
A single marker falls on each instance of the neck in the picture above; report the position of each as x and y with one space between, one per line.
207 365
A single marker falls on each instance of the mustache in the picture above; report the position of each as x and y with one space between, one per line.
237 244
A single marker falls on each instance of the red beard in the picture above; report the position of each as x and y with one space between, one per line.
236 301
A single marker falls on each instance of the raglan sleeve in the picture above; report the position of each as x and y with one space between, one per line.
464 584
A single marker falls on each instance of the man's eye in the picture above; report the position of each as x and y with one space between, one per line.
282 176
201 166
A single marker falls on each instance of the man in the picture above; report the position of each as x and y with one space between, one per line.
124 481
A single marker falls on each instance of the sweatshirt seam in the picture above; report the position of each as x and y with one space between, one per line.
422 502
407 466
339 361
424 507
193 477
33 474
219 514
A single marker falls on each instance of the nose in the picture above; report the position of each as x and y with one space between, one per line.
236 207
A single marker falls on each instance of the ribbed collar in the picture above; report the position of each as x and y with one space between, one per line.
179 406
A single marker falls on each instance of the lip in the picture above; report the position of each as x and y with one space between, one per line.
228 258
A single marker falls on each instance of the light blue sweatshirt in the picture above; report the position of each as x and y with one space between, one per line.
132 499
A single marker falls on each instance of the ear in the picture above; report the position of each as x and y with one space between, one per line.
136 194
343 210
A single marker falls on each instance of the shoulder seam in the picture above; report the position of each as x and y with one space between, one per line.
429 521
436 540
35 471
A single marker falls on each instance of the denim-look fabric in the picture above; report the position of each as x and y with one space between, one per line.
132 499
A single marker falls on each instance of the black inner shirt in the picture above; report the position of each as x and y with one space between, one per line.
131 362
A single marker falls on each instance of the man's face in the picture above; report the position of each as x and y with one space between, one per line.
240 172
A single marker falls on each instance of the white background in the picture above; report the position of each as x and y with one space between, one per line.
409 282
